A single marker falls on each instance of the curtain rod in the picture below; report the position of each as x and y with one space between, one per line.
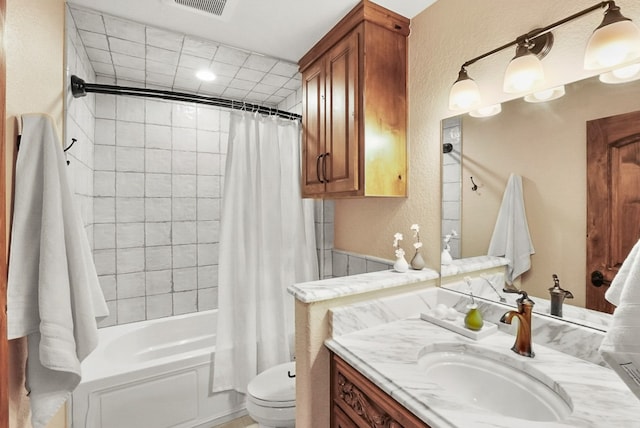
79 88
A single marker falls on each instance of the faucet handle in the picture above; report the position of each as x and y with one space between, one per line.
524 299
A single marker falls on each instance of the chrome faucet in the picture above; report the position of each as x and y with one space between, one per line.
557 296
522 344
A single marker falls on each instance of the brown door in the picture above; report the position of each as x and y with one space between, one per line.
313 129
613 200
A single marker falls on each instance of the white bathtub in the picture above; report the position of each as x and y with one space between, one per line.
153 374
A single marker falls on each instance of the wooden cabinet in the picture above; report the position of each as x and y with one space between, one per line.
354 107
358 403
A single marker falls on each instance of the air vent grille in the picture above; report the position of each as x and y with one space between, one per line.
214 7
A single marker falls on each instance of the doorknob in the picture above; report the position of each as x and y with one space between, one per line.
598 279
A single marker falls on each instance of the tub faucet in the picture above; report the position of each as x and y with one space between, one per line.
522 344
557 296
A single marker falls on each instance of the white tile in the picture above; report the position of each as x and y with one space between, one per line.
131 285
104 236
222 69
274 80
208 164
130 260
158 160
340 264
184 139
158 137
295 84
127 47
104 210
108 285
207 299
127 30
158 112
129 73
130 134
112 319
183 162
162 55
357 265
130 109
131 310
185 302
184 115
157 233
260 62
208 209
102 68
251 75
88 20
186 84
158 209
105 132
229 55
130 210
185 279
158 258
184 209
161 80
159 306
94 40
286 69
208 186
105 158
207 254
104 183
198 47
214 88
245 85
184 256
106 109
208 141
208 118
184 186
235 94
130 159
99 55
207 276
130 235
105 261
184 232
127 61
130 184
164 39
193 62
274 100
160 68
158 185
208 231
159 281
264 88
256 97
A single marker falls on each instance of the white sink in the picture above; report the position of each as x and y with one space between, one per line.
494 382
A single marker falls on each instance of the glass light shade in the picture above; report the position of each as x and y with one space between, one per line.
613 44
487 111
464 95
524 73
545 95
205 75
621 75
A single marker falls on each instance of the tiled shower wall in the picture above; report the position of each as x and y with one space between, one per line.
158 185
452 183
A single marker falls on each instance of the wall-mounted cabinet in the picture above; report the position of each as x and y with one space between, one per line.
354 112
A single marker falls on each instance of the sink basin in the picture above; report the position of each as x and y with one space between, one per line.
494 382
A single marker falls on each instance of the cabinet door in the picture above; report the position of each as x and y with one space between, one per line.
313 129
341 159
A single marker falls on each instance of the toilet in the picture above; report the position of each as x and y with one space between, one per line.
271 397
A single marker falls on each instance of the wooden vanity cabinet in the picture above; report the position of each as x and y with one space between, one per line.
354 107
358 403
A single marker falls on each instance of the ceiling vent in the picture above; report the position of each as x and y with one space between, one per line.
213 8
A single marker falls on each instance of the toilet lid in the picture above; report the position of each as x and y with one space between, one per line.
275 385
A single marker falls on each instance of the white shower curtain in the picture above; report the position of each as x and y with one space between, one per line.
267 242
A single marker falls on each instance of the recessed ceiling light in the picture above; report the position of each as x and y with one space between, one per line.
206 75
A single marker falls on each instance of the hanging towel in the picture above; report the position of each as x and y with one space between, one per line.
511 237
620 347
53 294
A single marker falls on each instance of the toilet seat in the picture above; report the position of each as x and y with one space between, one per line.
273 388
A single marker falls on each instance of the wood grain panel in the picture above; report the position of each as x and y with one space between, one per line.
312 129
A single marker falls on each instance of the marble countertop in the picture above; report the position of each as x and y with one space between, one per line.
388 356
327 289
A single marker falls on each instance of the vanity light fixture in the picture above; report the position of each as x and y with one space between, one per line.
615 42
545 95
487 111
621 75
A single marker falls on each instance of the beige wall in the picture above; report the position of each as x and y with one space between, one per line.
34 46
443 37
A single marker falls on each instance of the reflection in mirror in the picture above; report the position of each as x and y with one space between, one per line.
544 143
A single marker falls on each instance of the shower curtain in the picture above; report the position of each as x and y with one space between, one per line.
267 242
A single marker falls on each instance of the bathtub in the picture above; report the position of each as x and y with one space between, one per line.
153 374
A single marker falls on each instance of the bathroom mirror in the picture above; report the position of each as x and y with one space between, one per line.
545 143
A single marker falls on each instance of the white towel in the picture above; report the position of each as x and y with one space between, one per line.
621 345
53 294
511 237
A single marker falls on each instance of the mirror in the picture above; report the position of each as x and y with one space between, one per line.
544 143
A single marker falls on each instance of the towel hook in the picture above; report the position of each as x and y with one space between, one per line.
475 186
73 141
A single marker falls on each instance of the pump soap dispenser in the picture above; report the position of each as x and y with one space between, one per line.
557 296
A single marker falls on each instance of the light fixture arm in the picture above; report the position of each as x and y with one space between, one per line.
541 31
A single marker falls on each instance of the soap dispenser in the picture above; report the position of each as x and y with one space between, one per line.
557 296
